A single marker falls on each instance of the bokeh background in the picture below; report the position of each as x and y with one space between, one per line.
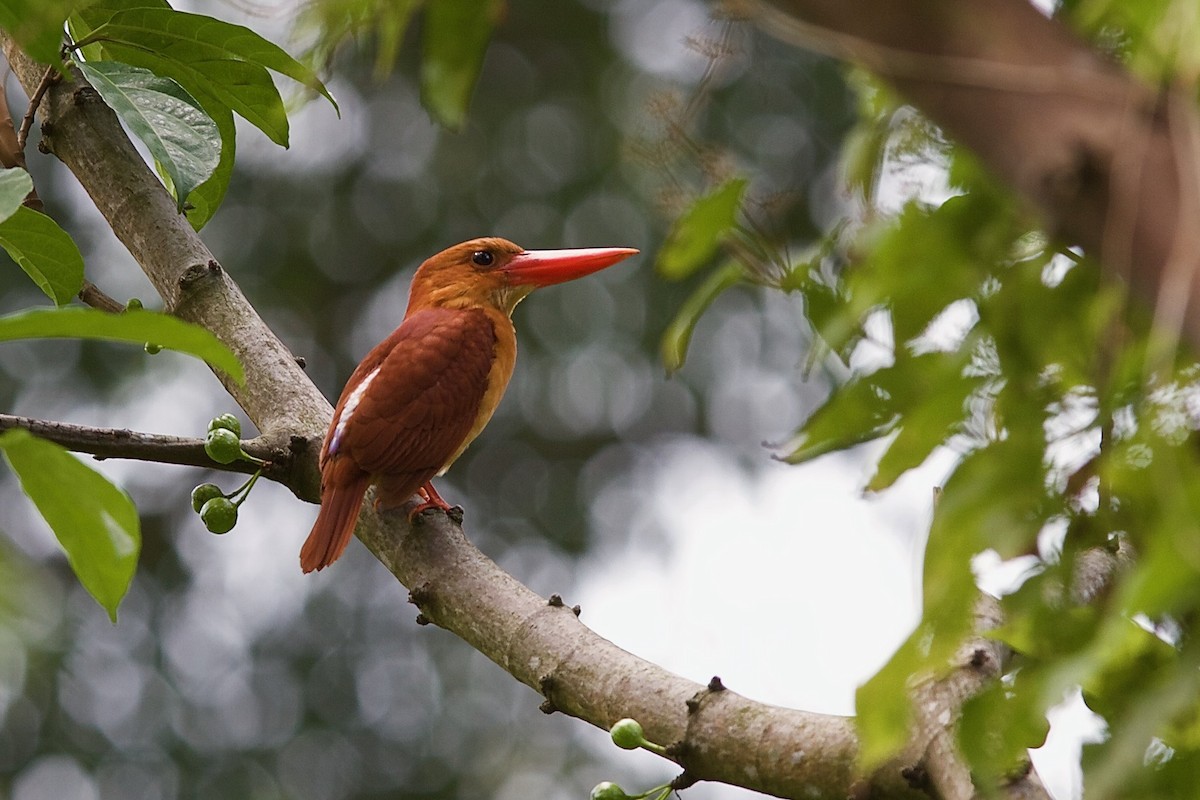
651 501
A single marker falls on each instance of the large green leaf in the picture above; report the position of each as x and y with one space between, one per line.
180 136
15 185
136 327
696 234
203 202
94 14
95 522
207 57
45 252
178 33
245 88
455 39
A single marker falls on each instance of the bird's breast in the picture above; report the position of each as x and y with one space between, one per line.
505 359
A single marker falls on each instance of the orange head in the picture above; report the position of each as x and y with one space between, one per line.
497 273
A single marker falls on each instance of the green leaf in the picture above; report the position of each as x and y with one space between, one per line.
180 136
45 252
932 406
90 16
997 727
207 57
178 33
678 335
695 236
454 42
15 186
37 25
95 522
924 392
135 327
923 261
204 201
245 88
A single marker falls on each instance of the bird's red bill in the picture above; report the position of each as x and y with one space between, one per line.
546 267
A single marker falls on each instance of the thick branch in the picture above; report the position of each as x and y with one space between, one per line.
162 448
1106 159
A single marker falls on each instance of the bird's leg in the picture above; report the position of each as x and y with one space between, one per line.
429 499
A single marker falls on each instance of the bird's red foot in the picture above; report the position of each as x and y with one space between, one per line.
429 499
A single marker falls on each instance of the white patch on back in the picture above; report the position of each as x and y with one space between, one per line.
348 409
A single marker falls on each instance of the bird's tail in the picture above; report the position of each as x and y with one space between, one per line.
335 523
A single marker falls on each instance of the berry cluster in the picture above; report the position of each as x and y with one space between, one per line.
218 510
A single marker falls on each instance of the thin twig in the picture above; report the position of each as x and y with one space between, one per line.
94 296
121 443
34 101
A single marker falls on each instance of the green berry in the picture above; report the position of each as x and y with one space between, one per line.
203 493
608 791
627 734
227 421
133 304
152 349
223 446
219 515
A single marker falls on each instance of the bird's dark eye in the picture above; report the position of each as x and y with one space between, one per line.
482 258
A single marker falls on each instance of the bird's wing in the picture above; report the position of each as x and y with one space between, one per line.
417 394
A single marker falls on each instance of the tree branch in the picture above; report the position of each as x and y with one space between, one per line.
162 448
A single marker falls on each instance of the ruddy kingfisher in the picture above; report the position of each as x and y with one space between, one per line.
425 392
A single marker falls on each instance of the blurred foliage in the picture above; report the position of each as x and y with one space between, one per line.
231 676
1073 415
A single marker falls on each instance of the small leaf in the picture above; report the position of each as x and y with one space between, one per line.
180 136
455 39
698 232
15 185
135 327
45 252
95 522
678 335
